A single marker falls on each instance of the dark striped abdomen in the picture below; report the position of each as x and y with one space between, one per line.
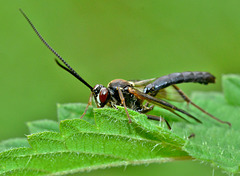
176 78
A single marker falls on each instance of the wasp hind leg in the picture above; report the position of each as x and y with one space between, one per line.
158 118
187 99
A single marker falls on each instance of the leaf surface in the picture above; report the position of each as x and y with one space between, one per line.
104 138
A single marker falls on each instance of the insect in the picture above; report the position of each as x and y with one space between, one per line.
133 94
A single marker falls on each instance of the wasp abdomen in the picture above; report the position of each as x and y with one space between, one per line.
176 78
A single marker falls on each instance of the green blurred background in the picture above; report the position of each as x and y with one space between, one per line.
105 40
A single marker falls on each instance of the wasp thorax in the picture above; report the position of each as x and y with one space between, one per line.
101 95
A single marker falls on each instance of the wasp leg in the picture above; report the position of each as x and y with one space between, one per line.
146 108
149 107
113 105
123 103
185 97
157 118
89 103
191 136
182 94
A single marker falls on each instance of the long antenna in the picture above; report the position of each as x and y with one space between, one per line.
69 68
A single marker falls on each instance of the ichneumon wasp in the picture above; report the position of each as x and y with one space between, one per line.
133 94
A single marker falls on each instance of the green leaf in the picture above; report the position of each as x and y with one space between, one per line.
231 85
104 138
81 146
13 143
214 142
43 125
73 111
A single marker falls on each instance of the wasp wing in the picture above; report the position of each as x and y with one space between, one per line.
141 83
170 93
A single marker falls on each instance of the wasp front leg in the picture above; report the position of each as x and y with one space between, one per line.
89 103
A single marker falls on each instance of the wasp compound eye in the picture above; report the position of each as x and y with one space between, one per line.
103 94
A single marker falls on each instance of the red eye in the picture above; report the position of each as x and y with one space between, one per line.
103 94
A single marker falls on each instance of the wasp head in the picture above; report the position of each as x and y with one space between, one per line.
101 95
